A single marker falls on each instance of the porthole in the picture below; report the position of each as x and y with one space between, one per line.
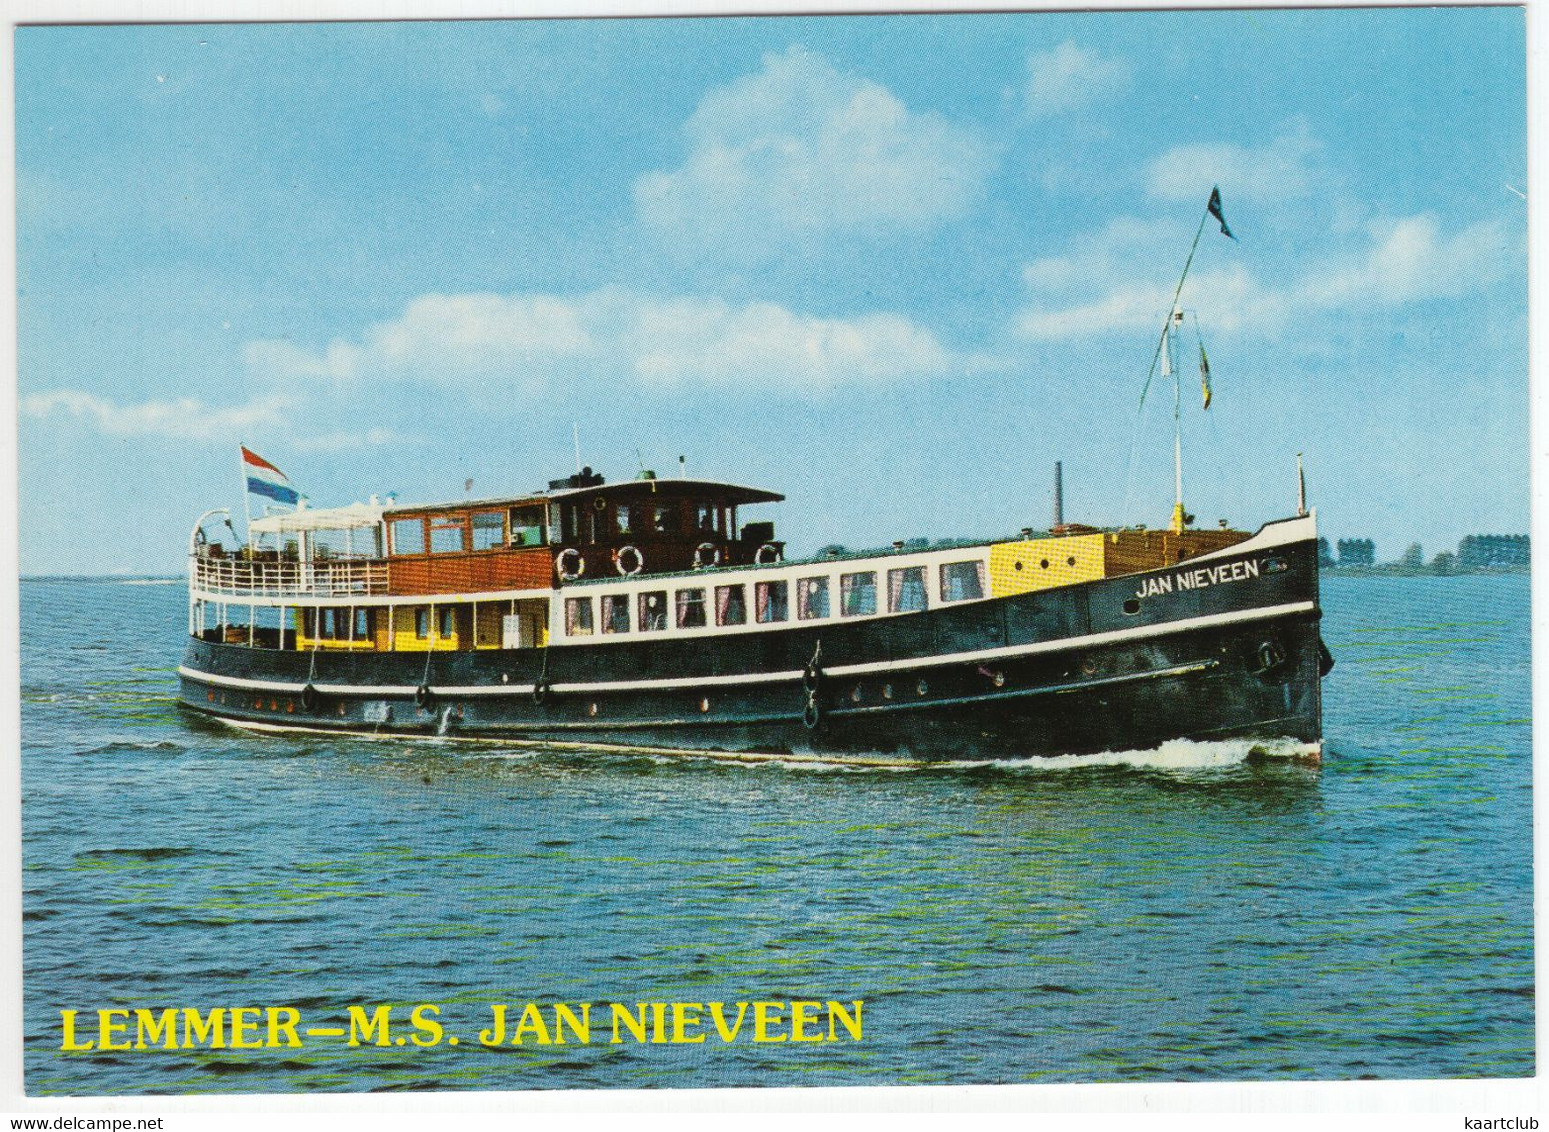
922 687
1018 563
887 691
1044 564
1132 605
999 679
341 709
591 710
704 704
1275 566
855 694
1089 667
1071 561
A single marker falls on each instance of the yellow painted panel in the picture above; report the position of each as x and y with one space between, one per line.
1040 564
406 640
304 643
487 631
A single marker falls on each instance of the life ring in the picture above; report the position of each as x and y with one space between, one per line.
706 554
600 503
570 564
424 698
309 698
632 552
766 555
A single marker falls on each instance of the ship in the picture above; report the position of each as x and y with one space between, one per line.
645 614
657 614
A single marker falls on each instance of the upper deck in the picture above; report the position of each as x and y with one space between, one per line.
581 526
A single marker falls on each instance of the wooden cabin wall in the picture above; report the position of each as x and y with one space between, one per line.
477 572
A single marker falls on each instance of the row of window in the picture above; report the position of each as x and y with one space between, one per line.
459 532
691 607
341 624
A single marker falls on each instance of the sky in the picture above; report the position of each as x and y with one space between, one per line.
891 266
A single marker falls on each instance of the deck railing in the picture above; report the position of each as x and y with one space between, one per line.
288 578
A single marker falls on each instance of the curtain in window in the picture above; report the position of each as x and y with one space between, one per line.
858 594
906 589
730 606
691 609
653 612
812 597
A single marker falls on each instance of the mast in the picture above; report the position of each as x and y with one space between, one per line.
1180 517
1164 354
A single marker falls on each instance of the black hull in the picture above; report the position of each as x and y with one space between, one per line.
1066 671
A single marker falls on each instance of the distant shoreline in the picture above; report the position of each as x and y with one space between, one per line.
1394 571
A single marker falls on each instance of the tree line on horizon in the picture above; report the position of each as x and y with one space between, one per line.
1475 552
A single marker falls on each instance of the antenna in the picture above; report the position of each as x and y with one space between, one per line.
575 431
1059 494
1301 487
683 467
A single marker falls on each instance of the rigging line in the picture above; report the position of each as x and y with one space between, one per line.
430 648
1134 444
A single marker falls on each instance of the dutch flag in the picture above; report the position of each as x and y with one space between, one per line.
263 478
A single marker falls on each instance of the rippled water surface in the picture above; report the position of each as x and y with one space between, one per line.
1185 914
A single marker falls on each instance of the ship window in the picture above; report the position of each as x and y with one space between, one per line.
653 611
773 600
626 519
489 530
422 623
858 594
812 598
527 526
664 520
691 609
363 627
731 605
615 613
578 617
706 519
408 536
447 535
446 624
906 590
962 581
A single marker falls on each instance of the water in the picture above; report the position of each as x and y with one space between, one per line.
1187 914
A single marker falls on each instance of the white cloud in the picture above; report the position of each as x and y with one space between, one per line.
1069 77
1410 261
535 341
1284 168
350 441
801 148
182 419
1103 288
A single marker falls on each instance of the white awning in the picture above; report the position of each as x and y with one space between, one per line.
353 517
